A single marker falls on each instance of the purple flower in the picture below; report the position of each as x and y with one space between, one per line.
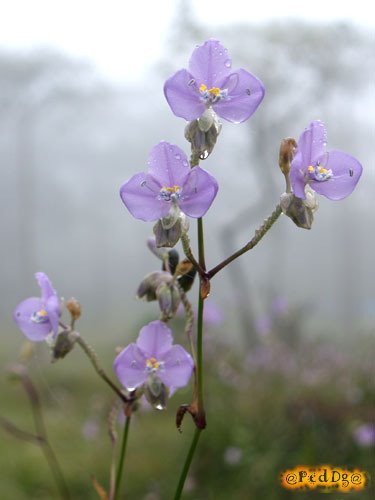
38 317
333 174
169 183
364 435
154 356
210 82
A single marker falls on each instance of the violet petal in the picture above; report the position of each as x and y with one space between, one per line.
210 64
141 199
168 164
182 94
155 339
245 93
198 192
178 367
130 367
45 285
346 172
22 316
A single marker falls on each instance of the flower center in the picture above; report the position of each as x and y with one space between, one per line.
39 316
210 96
319 173
152 365
170 193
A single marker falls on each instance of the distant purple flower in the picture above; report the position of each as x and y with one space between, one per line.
210 82
169 182
333 174
154 356
364 435
38 317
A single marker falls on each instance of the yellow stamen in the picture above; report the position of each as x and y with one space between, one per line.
323 170
152 363
311 169
42 312
203 87
215 91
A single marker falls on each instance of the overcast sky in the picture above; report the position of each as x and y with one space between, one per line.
112 33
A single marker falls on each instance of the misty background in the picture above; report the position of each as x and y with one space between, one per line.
71 136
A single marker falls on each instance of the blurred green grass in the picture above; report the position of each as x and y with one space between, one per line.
269 409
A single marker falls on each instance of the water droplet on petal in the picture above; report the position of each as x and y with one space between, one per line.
248 91
178 157
159 406
220 53
228 63
178 361
191 82
133 363
143 183
185 163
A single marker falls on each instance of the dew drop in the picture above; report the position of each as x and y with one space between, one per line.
204 155
191 82
185 163
133 363
178 157
159 406
143 183
248 91
178 362
228 63
220 53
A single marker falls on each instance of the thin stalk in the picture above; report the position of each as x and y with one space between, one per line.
43 440
200 419
122 457
99 370
259 233
187 463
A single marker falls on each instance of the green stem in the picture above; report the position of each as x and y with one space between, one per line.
259 233
122 457
200 418
41 432
91 354
187 463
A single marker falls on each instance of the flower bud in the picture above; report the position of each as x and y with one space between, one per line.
156 392
202 133
169 299
74 307
148 286
161 253
167 235
63 344
288 148
298 210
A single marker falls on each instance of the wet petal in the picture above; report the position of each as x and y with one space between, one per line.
130 367
140 196
45 285
210 64
22 316
346 172
54 312
168 164
198 192
183 96
178 367
155 339
245 93
312 143
297 176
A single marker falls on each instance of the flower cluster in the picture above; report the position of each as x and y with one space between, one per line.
174 188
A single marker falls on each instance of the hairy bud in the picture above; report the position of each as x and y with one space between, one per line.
203 133
63 344
300 211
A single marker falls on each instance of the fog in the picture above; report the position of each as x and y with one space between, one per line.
69 138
